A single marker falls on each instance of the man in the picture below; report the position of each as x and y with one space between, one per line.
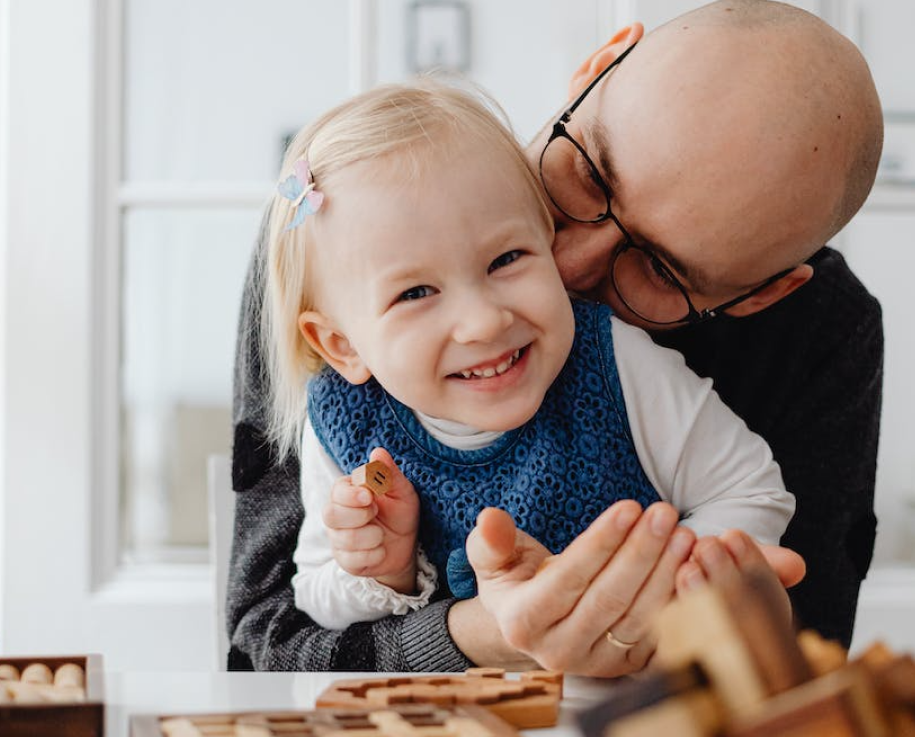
694 185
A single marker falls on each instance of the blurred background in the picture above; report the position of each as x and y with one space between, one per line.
139 141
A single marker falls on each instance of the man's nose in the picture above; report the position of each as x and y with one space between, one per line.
480 319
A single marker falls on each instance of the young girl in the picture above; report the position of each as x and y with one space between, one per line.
411 286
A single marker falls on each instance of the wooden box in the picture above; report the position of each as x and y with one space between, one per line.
84 718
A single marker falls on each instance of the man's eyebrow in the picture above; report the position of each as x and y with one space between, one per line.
691 277
596 135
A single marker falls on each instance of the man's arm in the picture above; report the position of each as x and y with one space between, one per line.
828 456
266 631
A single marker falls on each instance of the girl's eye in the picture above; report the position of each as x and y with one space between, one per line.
504 260
416 293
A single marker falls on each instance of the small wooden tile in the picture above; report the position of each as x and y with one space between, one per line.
374 476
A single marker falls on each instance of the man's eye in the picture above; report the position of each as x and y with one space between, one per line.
415 293
661 274
504 260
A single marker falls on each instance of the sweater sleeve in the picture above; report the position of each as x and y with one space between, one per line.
266 631
697 453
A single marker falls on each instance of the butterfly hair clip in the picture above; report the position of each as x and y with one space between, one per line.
299 188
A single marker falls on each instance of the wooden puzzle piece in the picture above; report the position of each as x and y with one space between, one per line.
695 714
824 656
739 636
374 476
839 704
528 703
646 703
408 720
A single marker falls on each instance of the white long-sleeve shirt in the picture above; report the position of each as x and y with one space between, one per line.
696 452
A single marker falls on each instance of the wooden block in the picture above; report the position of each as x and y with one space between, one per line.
8 672
639 693
179 728
696 714
839 704
756 603
698 628
374 476
69 674
526 704
37 673
408 720
824 656
740 636
544 676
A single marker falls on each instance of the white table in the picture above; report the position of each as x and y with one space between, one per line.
187 693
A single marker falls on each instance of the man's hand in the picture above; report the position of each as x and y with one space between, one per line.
557 610
375 535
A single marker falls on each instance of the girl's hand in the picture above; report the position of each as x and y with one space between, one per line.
375 536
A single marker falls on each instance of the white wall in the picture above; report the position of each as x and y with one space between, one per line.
4 238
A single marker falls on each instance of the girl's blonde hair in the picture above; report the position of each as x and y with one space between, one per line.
405 125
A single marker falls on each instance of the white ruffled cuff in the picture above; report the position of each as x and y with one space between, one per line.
385 599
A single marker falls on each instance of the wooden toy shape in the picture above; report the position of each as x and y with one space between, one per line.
824 656
676 702
739 636
405 720
374 476
527 703
894 680
839 704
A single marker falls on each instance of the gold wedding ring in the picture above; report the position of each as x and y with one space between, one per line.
619 643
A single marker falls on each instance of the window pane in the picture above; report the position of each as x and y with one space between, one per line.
212 86
183 272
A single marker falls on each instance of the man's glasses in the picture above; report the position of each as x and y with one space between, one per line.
643 282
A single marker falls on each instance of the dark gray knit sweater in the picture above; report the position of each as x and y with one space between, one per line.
806 374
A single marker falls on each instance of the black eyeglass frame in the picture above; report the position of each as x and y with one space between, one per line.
692 315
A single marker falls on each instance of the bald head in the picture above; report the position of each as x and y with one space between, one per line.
827 86
765 106
735 141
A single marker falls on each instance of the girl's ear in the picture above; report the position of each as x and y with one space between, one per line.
333 346
603 57
774 292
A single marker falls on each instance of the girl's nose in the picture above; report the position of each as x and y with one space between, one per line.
481 320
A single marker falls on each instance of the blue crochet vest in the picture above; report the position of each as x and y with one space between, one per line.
554 475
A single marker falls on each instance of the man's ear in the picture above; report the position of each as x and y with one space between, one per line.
333 346
602 58
774 292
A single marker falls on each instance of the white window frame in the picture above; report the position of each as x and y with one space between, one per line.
63 588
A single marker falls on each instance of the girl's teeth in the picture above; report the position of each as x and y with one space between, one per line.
488 373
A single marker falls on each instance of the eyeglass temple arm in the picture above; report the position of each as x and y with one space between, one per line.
594 82
711 312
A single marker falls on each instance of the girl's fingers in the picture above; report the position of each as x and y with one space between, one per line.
363 538
359 562
341 517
